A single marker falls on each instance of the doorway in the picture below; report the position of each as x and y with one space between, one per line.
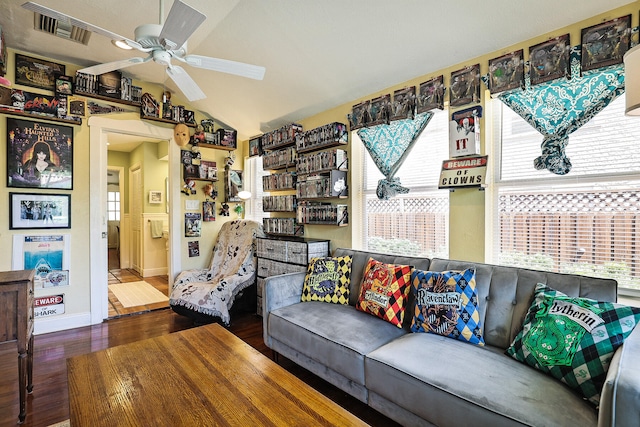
100 130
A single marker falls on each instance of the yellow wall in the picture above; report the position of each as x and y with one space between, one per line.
467 206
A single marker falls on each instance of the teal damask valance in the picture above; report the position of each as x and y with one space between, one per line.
389 145
560 107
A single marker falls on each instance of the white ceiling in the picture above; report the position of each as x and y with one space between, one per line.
318 53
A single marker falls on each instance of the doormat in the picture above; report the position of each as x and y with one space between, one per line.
132 294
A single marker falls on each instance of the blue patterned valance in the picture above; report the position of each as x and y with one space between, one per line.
388 145
560 107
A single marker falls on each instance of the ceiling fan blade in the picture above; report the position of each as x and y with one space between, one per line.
59 16
185 83
224 65
111 66
182 21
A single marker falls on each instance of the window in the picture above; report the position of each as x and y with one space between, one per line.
416 223
253 183
586 222
113 205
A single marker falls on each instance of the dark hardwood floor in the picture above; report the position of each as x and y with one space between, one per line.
49 402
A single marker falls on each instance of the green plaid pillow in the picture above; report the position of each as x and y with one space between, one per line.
573 339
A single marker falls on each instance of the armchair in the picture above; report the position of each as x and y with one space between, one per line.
207 294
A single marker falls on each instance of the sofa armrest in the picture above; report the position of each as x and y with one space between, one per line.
620 398
279 291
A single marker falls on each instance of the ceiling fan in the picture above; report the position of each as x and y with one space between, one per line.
163 42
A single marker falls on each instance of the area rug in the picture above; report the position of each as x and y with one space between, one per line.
131 294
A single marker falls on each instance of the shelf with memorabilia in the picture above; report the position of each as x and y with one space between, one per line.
323 137
280 159
18 102
280 138
112 87
282 227
322 214
279 181
326 185
286 203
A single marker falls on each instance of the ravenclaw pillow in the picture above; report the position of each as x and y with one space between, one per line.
384 291
447 304
573 339
328 280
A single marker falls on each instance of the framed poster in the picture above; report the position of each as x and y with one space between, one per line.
431 95
49 255
64 85
31 211
39 155
465 86
549 60
506 72
255 148
36 72
605 44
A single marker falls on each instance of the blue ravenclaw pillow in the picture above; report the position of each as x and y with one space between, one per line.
447 304
328 280
573 339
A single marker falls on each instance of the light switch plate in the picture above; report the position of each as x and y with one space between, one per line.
191 205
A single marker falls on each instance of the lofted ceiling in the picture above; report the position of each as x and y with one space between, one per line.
318 54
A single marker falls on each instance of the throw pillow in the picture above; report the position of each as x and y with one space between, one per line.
447 304
328 280
573 339
384 291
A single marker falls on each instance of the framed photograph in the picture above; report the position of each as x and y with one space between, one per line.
49 255
431 95
77 106
155 197
255 148
39 155
208 211
31 211
605 44
549 60
232 185
359 116
37 72
506 72
465 86
64 85
404 103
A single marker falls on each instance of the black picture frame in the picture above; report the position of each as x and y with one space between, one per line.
64 85
549 60
255 147
39 211
506 72
54 141
465 86
431 95
605 44
36 72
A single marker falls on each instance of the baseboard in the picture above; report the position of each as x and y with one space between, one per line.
61 323
159 271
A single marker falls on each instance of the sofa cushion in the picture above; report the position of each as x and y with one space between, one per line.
446 303
448 382
384 291
573 339
328 280
335 335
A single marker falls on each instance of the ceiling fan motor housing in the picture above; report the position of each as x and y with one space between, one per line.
148 35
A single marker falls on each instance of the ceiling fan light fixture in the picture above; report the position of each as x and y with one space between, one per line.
121 44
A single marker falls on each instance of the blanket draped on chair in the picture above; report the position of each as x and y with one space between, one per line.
233 268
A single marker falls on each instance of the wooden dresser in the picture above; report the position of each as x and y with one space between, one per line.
281 255
16 324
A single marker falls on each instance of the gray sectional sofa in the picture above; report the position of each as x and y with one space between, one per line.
426 379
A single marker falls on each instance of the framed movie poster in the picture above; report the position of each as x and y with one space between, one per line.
506 72
30 211
465 86
431 95
47 254
549 60
605 44
255 148
39 155
37 72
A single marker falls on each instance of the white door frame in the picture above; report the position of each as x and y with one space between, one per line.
99 127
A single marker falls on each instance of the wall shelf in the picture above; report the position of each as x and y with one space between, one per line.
40 117
107 98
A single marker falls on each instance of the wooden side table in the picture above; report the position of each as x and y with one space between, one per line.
16 324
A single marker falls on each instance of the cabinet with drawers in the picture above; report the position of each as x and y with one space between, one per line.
281 255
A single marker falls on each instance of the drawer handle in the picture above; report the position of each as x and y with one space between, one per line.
296 252
264 268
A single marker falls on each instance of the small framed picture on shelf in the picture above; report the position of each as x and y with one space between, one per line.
64 85
33 211
431 95
255 148
506 72
149 106
605 44
549 60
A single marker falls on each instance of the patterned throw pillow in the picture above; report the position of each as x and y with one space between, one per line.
384 291
328 280
447 304
573 339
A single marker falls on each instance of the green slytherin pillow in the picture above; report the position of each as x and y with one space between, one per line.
573 339
328 280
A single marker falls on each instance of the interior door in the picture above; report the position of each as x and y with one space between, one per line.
135 207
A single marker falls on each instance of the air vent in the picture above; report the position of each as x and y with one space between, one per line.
61 29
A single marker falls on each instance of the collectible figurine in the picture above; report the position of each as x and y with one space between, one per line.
224 209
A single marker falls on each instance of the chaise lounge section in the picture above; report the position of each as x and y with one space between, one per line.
429 379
